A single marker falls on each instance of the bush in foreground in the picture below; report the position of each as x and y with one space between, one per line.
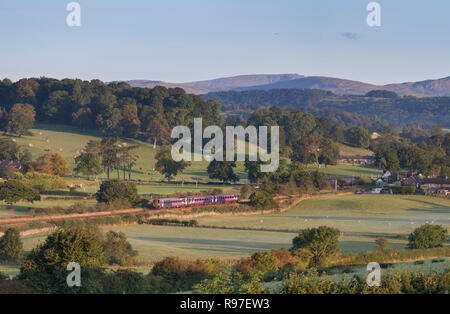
322 243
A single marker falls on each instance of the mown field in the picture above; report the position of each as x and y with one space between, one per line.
361 214
361 217
156 242
346 150
22 208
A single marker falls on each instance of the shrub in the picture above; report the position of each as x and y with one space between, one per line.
262 200
245 191
322 242
54 210
78 208
183 275
404 190
117 250
11 247
427 236
382 243
125 281
115 190
364 181
113 205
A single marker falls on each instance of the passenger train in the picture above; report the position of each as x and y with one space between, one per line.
195 200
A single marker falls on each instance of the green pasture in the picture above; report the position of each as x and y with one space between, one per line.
346 150
165 188
70 140
22 208
156 242
361 214
348 171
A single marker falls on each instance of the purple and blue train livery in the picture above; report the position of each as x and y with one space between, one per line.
195 200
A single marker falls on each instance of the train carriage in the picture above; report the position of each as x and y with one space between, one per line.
194 201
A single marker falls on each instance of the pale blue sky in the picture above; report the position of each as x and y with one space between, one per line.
186 40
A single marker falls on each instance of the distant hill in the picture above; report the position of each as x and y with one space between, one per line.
439 87
348 110
335 85
220 84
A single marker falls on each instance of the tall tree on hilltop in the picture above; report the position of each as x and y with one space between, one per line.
20 119
166 165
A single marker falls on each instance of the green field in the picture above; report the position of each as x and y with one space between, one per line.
346 150
156 242
70 140
367 216
171 188
348 171
22 208
362 214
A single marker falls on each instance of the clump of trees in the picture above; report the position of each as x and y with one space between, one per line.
13 191
44 269
223 171
174 275
428 236
116 190
40 181
322 243
19 120
166 165
429 157
115 109
108 155
117 250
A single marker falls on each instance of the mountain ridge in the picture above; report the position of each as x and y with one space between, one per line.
431 87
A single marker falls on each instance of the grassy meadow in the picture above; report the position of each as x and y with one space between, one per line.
70 140
360 214
346 150
156 242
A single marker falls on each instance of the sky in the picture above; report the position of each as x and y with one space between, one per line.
190 40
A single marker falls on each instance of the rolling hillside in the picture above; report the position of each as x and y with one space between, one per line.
220 84
436 87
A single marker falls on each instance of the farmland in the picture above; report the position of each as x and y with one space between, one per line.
156 242
360 214
360 218
70 140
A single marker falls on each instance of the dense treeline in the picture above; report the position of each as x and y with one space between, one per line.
300 128
429 157
115 109
377 105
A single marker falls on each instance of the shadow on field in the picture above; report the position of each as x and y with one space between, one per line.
215 243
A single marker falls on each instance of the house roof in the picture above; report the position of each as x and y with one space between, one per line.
435 181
